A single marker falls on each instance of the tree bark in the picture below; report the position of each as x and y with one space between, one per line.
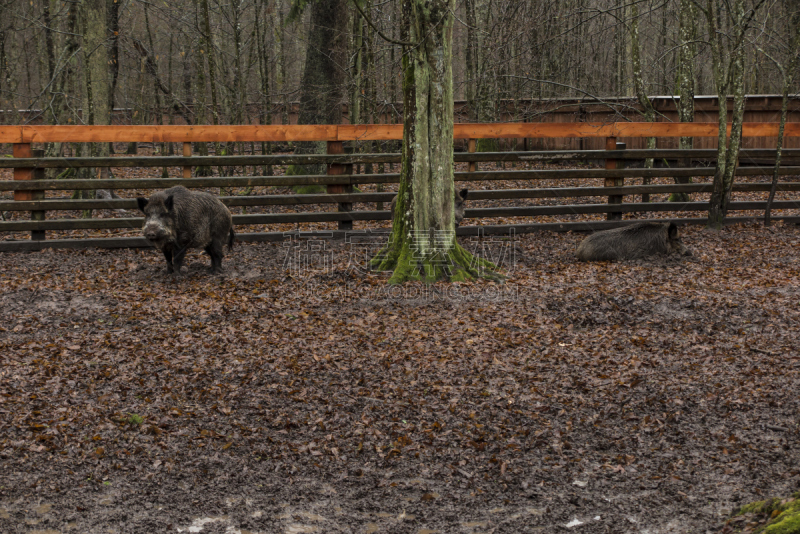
96 102
727 58
482 81
63 59
357 73
423 243
322 89
788 80
263 47
686 84
113 60
638 86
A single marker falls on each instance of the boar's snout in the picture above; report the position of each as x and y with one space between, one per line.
154 232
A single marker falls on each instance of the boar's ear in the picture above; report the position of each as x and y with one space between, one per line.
169 203
672 231
463 194
142 202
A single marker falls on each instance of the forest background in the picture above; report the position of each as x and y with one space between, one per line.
242 61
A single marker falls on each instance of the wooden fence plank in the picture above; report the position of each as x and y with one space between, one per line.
328 132
174 134
554 155
357 179
611 163
370 132
500 194
336 169
463 231
180 161
25 151
336 216
187 153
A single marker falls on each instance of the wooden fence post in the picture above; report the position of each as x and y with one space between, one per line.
187 153
613 163
471 146
335 169
23 150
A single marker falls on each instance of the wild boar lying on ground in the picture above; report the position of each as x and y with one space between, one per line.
178 219
632 242
458 205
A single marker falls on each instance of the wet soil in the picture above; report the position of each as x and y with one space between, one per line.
297 393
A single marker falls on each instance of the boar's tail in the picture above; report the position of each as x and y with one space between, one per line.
231 238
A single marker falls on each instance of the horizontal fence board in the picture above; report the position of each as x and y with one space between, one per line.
164 183
335 216
197 161
459 157
631 207
261 200
138 222
66 204
364 132
161 134
462 231
676 158
594 226
357 179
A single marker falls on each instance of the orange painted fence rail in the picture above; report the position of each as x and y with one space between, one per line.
372 132
28 185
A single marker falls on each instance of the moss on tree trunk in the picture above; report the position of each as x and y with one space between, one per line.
423 245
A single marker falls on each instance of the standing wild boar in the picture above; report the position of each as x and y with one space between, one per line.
458 205
632 242
178 219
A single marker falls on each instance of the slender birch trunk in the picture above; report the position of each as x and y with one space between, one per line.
788 76
687 32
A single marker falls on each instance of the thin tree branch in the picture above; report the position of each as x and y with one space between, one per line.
378 31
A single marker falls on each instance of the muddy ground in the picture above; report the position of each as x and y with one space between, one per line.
295 393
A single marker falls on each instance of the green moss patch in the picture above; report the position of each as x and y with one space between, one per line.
771 516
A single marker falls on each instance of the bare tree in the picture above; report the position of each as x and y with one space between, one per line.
687 33
727 25
788 74
322 90
96 100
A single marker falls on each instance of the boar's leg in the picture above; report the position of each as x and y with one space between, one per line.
168 256
215 251
177 258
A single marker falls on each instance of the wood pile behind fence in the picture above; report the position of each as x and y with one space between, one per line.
29 187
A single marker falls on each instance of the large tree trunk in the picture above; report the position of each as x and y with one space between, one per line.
322 89
423 242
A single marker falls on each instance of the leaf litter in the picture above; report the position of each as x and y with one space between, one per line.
647 396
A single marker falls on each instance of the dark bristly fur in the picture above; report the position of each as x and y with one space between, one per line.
632 242
177 220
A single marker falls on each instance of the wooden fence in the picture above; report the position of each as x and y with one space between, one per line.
29 187
758 108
